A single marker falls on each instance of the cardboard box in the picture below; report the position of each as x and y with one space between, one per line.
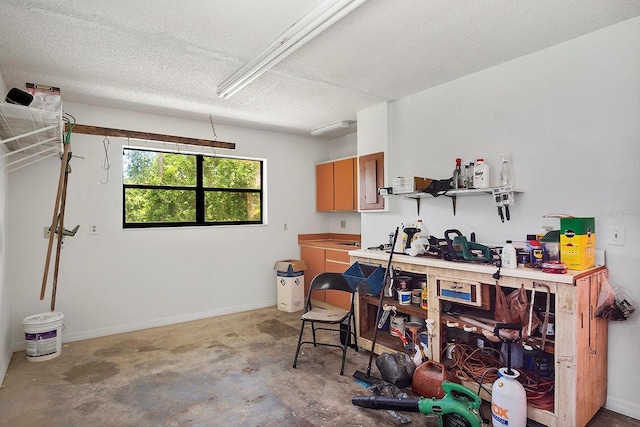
290 283
578 243
405 184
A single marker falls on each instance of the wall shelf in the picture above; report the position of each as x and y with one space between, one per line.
453 194
28 135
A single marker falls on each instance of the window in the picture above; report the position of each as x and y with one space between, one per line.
165 189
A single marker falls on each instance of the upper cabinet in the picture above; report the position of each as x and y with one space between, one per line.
336 185
371 178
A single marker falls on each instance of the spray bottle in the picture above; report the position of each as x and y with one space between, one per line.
508 396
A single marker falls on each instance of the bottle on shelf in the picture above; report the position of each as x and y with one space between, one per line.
505 173
424 300
457 175
465 177
509 257
472 167
481 174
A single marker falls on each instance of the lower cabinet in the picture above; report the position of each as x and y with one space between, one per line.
462 301
321 260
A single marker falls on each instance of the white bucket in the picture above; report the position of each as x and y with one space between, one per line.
397 322
404 297
43 336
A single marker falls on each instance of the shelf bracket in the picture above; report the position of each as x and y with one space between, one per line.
453 202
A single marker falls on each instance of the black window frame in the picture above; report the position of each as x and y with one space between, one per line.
200 191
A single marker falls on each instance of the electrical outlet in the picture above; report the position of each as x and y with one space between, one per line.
93 229
285 227
46 232
343 224
617 236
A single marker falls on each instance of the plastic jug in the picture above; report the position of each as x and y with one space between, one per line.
481 175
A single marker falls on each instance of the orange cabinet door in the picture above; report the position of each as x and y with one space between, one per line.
344 183
324 187
371 178
337 262
314 258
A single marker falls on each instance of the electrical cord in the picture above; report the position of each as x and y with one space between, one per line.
477 364
71 122
474 363
539 391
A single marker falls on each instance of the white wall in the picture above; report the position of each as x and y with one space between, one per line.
568 117
120 280
339 148
5 332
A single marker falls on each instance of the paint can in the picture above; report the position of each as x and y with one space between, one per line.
404 297
416 296
43 336
397 323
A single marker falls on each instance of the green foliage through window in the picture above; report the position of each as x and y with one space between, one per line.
174 189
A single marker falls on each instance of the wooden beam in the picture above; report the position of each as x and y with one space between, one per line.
97 130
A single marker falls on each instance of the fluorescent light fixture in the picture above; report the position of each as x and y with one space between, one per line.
332 127
319 19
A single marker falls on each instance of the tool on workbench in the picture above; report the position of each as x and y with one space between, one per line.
460 248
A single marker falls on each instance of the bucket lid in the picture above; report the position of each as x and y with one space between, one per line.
42 318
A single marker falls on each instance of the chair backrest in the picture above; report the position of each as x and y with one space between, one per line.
330 281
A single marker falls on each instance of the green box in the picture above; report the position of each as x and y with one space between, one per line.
578 242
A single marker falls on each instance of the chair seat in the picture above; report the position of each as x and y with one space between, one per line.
325 315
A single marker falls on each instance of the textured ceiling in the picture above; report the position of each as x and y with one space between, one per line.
167 57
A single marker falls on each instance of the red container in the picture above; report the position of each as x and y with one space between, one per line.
554 267
428 377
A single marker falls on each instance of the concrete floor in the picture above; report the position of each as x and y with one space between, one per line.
223 371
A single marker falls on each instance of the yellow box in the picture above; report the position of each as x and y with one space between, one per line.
578 243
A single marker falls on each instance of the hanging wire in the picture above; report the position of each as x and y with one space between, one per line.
106 165
215 135
213 128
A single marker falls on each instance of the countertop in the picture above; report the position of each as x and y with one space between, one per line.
336 241
520 272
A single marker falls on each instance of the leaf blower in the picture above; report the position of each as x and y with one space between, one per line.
458 408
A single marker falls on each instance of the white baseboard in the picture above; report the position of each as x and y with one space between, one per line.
5 364
624 407
96 333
